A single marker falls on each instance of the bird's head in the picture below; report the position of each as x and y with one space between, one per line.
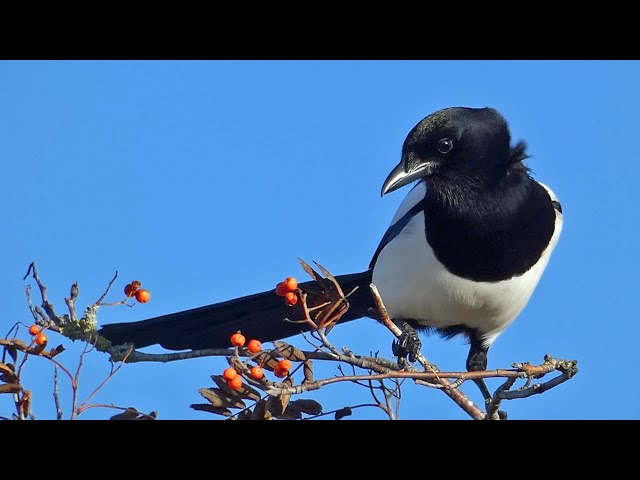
454 144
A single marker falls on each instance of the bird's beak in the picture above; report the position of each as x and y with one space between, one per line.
402 175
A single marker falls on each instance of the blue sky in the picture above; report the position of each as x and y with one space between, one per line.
204 180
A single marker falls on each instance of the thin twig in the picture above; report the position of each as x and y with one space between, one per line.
99 302
48 307
56 397
455 394
76 378
83 406
70 301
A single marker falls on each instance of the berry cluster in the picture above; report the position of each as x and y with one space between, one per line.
40 338
289 290
234 379
133 290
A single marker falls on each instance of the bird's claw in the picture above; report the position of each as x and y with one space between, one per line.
407 347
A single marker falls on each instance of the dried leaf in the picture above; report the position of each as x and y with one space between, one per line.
10 388
306 405
129 414
244 415
56 351
13 353
274 406
307 368
249 393
205 407
290 414
266 360
218 398
8 378
4 368
222 384
236 363
289 351
343 412
315 275
38 349
26 402
19 343
260 411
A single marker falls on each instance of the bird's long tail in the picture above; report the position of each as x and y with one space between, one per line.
260 316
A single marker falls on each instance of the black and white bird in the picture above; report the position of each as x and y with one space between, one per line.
463 254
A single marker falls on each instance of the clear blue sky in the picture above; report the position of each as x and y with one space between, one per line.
203 180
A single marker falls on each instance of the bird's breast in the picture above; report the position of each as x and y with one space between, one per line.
414 284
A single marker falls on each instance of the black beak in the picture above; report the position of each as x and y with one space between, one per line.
399 176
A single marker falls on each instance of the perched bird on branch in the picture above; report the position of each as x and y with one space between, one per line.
463 254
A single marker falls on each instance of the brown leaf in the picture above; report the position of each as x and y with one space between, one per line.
274 406
260 411
306 405
290 414
343 412
128 414
9 378
266 360
249 393
307 368
56 351
205 407
244 415
19 343
218 398
26 402
10 388
315 275
13 353
222 384
4 368
289 351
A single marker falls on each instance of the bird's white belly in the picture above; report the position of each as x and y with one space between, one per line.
415 285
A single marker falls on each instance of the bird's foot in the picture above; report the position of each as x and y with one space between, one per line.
407 346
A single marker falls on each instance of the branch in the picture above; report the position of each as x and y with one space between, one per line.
48 307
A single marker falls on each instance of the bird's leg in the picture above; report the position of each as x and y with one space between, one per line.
408 345
476 362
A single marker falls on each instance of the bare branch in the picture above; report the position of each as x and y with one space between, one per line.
99 302
70 301
56 397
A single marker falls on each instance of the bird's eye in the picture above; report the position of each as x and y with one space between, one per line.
445 145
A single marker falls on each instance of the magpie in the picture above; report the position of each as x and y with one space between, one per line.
462 256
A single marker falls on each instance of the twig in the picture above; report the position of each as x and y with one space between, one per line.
83 405
74 399
56 397
70 301
494 405
48 307
456 395
99 302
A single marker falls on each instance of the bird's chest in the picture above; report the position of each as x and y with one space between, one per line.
414 284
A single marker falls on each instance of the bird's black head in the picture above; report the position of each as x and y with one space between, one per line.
457 143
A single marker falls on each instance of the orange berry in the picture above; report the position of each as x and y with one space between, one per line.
143 295
236 383
136 284
280 372
257 373
129 290
237 339
41 339
254 346
291 298
34 330
291 284
281 289
229 374
284 364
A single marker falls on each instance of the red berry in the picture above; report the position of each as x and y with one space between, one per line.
284 364
41 339
254 346
236 383
291 284
136 284
130 290
279 372
229 374
257 373
291 298
143 295
34 330
237 339
281 289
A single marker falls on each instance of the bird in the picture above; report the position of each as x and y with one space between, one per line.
463 253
